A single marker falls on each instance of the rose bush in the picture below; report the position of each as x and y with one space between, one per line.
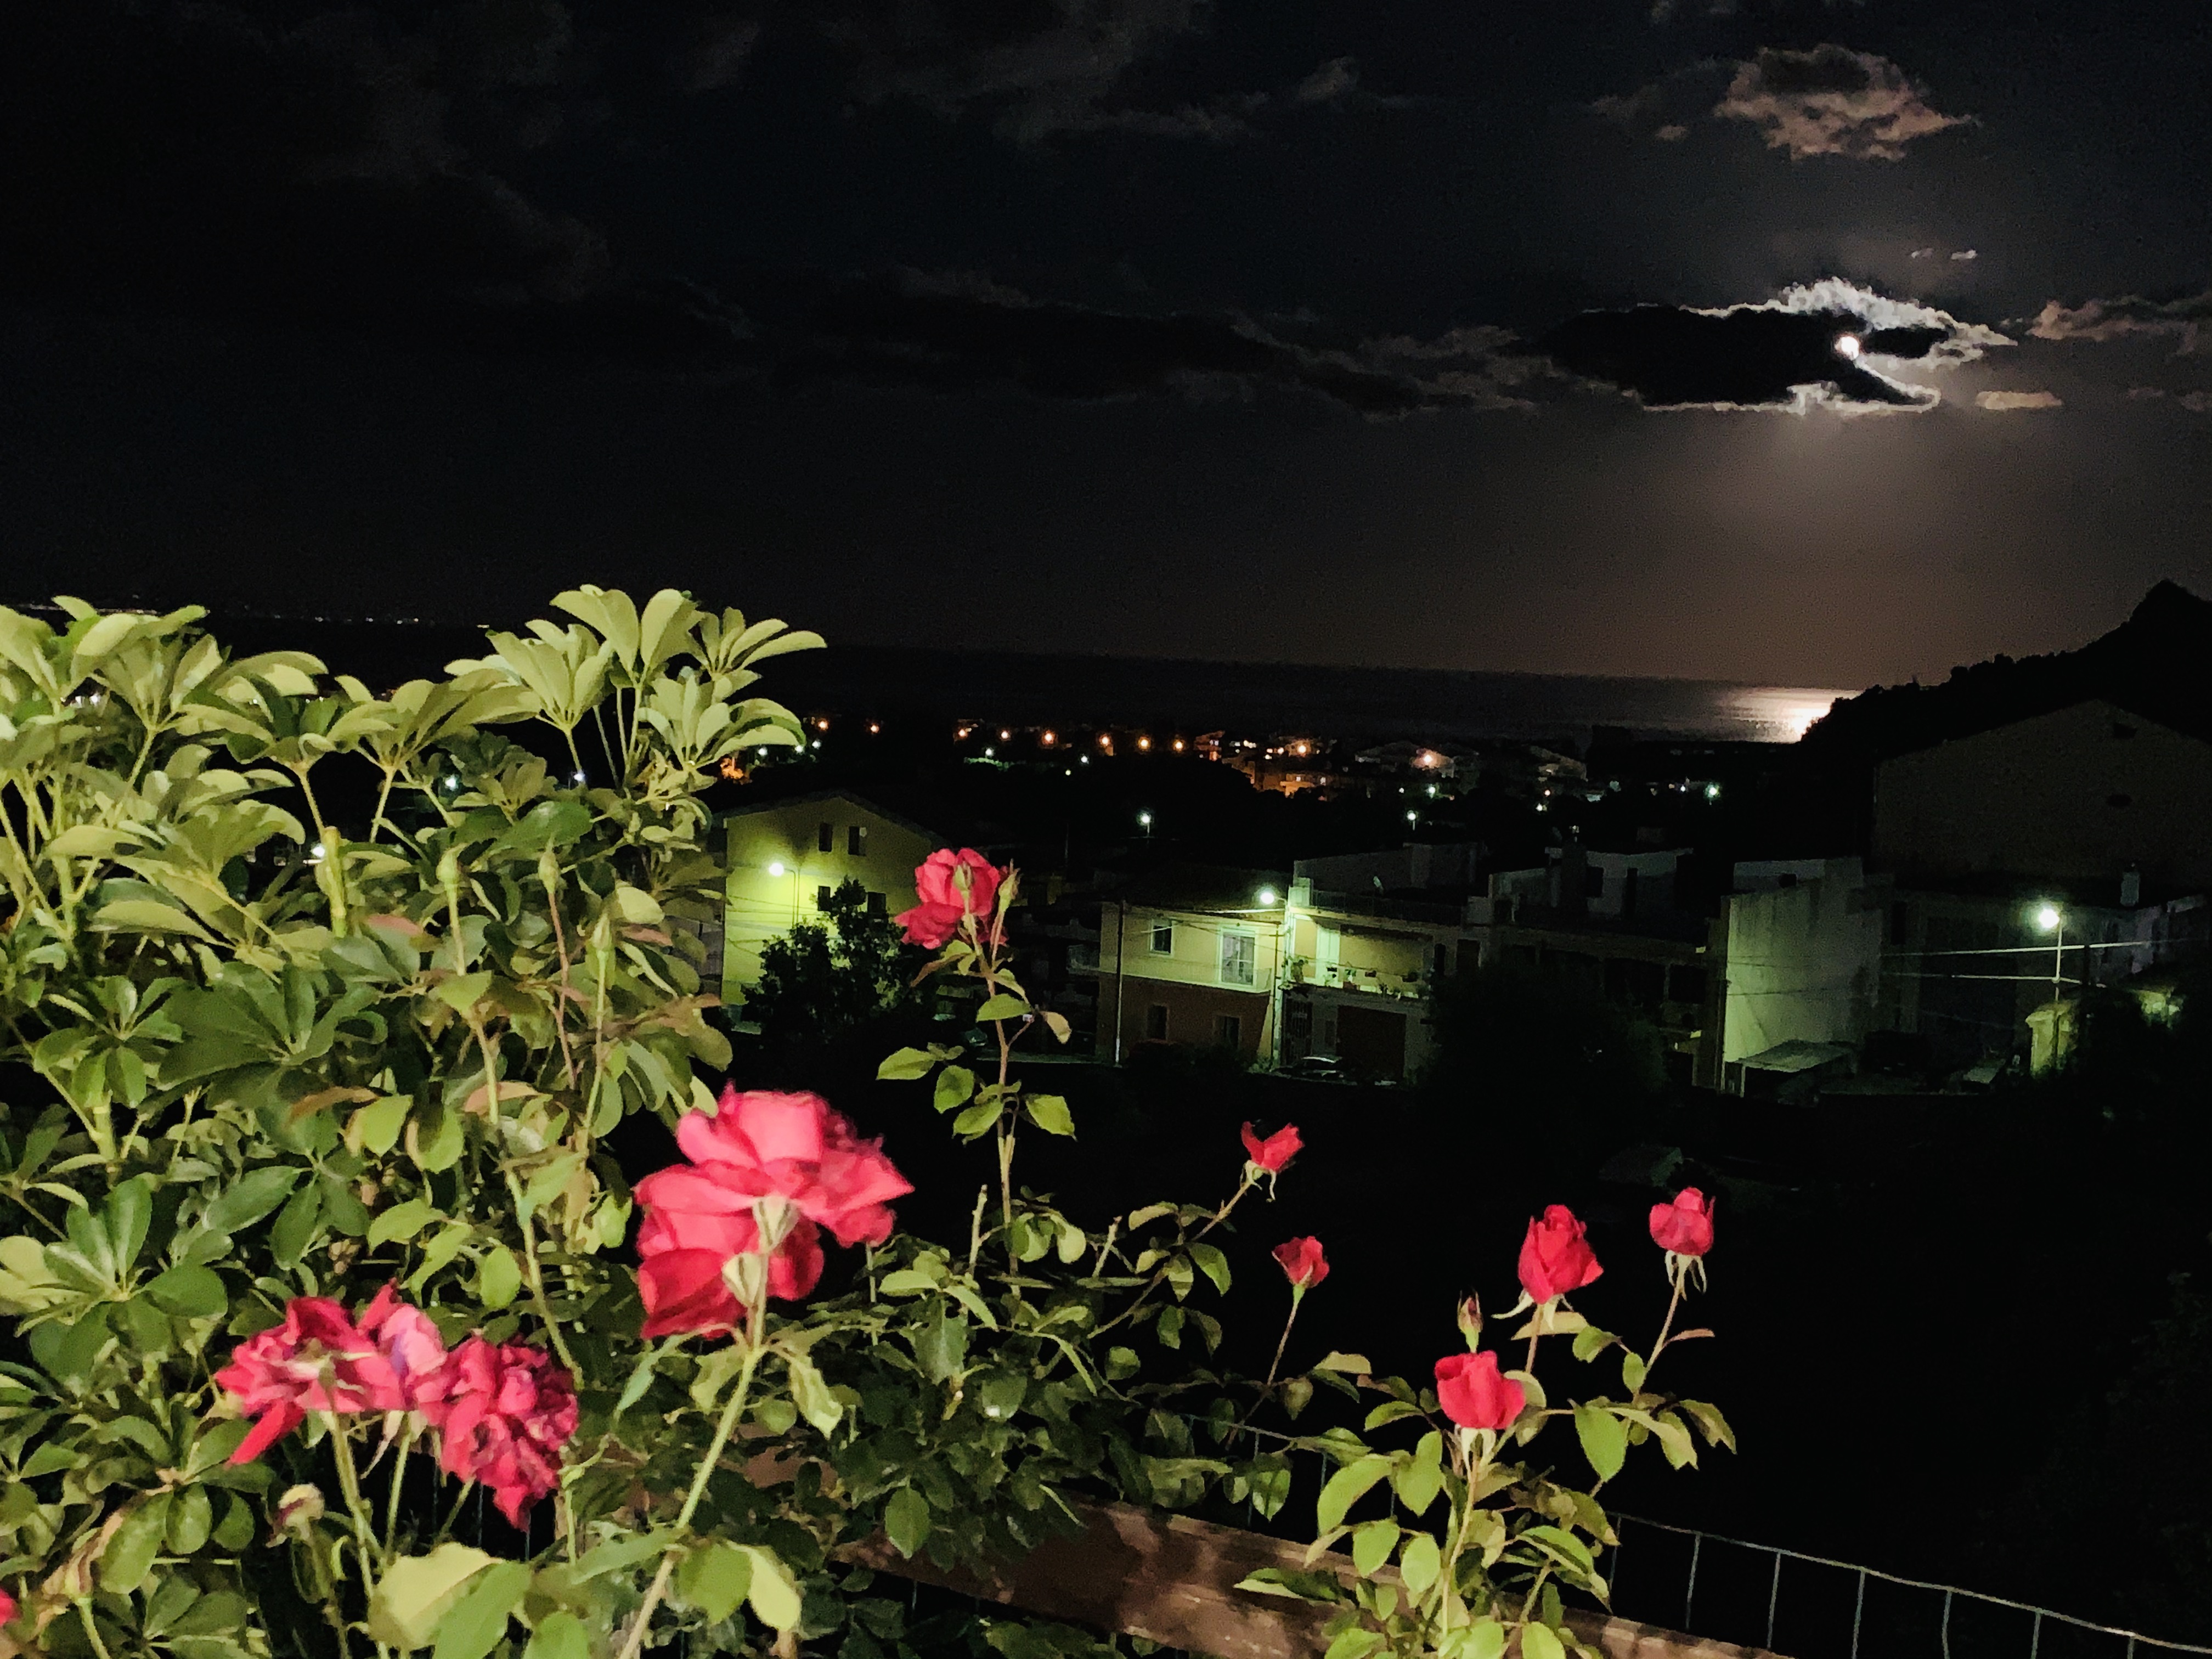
335 998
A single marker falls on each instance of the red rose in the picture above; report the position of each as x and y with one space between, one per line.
407 1338
1686 1226
1276 1151
1473 1395
318 1360
1555 1257
8 1608
758 1148
507 1410
682 1283
1303 1262
951 886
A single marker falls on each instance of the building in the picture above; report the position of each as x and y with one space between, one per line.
2083 794
783 859
1801 960
1191 957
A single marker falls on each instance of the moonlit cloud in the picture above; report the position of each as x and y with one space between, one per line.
1965 254
2195 402
1831 345
2002 403
2130 314
1832 102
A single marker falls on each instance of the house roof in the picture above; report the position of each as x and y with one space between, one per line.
1203 887
848 797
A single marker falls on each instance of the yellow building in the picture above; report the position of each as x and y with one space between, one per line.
1192 958
783 858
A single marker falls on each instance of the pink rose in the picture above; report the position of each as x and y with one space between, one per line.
1555 1257
8 1608
406 1338
1276 1151
318 1360
1475 1395
682 1284
1686 1226
951 886
758 1148
1303 1262
507 1410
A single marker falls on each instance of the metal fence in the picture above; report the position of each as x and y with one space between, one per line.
1761 1595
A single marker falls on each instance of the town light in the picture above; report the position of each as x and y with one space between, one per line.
1144 818
873 726
1178 745
2048 918
1049 739
1266 896
1144 743
1005 736
1413 817
776 868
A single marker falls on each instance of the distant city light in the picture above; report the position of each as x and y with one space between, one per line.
1428 757
2048 918
822 726
1145 819
1049 739
1105 740
1178 745
576 777
1005 735
1144 743
816 743
872 726
990 753
776 868
1413 817
1267 896
1713 792
1847 347
961 734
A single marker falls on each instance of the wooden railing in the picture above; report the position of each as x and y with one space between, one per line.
1173 1580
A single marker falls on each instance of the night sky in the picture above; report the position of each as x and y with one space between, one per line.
1468 335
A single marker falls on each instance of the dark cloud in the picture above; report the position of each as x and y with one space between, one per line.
1665 11
1832 102
2195 402
957 333
1047 66
1826 344
2132 314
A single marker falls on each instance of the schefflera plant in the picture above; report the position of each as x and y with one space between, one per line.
1515 1531
327 991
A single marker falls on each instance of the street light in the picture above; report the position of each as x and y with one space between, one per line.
1267 897
1144 822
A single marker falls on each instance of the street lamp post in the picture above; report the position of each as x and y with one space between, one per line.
2052 920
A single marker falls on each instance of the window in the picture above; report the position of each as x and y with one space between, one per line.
1156 1021
822 896
877 904
1593 881
825 838
1163 939
1240 958
1228 1031
856 840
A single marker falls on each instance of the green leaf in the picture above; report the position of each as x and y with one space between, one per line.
941 1348
128 1209
812 1395
1419 1563
1540 1642
296 1226
1005 1005
977 1120
1353 1643
190 1292
1590 1342
955 1085
1212 1264
1417 1482
192 1518
907 1281
1346 1487
1709 1418
715 1373
773 1593
130 1553
905 1066
906 1520
1604 1438
1050 1113
499 1277
560 1635
417 1591
1372 1544
1632 1368
1056 1023
381 1120
1484 1639
477 1622
714 1578
1290 1582
1353 1364
249 1198
401 1221
463 991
